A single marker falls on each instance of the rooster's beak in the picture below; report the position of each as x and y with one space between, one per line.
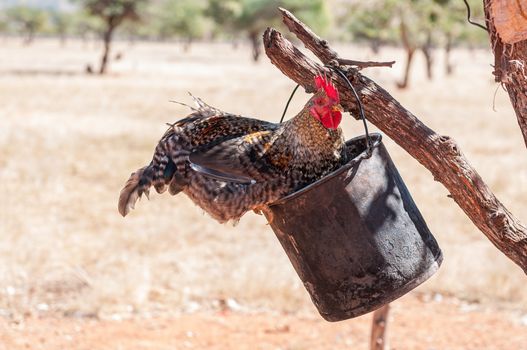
337 108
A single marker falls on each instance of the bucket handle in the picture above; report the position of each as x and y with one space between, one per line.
342 74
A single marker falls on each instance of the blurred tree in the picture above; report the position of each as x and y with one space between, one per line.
373 22
451 25
223 13
419 25
85 25
62 24
4 26
445 24
28 20
251 17
457 30
112 13
418 30
423 31
145 28
183 18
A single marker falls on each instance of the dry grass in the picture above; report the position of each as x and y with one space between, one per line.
68 141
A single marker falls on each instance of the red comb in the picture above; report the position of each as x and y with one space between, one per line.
331 91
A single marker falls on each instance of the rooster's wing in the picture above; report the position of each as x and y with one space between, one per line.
246 159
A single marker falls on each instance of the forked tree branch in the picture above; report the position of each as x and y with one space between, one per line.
439 154
312 42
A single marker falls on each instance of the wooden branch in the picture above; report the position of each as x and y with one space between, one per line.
439 154
312 41
364 64
379 338
510 65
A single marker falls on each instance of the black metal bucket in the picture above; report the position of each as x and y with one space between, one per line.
356 237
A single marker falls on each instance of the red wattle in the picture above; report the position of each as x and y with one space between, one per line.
330 119
337 118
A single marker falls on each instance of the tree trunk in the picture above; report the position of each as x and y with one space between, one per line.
107 38
427 52
410 49
449 69
254 37
30 36
438 153
379 338
187 43
375 45
510 69
63 39
406 78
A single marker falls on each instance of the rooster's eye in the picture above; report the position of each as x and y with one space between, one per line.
320 101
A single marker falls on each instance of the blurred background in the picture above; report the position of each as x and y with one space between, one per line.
85 87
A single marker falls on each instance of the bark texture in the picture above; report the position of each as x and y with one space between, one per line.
439 154
510 65
509 17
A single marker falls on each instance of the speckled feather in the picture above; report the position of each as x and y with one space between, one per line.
266 161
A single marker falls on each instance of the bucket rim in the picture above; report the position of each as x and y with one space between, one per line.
376 140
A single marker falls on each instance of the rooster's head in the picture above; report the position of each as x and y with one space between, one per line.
325 105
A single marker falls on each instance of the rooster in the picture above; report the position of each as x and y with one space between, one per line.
229 165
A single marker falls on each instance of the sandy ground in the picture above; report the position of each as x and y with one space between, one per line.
75 275
414 323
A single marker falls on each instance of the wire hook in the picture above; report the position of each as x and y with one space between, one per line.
341 73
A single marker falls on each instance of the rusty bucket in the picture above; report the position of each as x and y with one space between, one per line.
356 237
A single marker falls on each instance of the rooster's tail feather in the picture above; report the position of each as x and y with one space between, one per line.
160 173
138 184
